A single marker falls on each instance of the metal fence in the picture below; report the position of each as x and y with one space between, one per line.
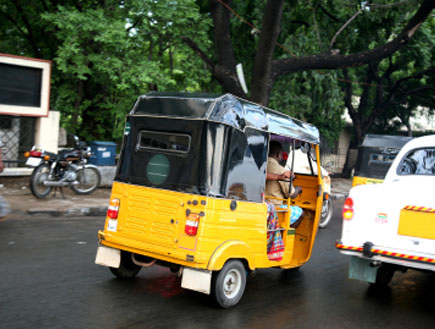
17 135
333 160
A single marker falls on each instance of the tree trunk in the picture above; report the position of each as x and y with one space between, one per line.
261 79
225 69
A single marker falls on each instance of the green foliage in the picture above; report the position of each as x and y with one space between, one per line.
314 97
106 54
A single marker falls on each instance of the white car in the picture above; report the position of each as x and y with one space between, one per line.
391 226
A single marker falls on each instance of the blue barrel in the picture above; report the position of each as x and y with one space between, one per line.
103 153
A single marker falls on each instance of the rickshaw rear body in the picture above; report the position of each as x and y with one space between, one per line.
189 188
375 156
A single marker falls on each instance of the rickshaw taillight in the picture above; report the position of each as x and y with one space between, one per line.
348 209
192 223
113 210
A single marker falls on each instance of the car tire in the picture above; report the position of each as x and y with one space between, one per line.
384 274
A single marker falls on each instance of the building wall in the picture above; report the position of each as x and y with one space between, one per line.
20 133
47 131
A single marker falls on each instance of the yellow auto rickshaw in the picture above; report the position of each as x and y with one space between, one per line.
375 156
189 192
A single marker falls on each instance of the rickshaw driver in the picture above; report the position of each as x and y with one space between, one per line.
277 187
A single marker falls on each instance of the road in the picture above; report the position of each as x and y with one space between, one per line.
48 279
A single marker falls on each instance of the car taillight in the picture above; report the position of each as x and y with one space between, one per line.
113 210
35 154
192 223
348 209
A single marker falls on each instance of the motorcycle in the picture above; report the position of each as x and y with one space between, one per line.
68 168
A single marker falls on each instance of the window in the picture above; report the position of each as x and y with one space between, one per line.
178 143
387 158
418 162
24 85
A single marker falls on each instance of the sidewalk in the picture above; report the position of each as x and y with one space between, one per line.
22 202
340 187
17 192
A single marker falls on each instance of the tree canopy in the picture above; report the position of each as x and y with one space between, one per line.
308 59
107 53
301 53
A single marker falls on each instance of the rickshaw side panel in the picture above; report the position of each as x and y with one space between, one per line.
245 227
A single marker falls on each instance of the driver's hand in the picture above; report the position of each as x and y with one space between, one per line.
286 175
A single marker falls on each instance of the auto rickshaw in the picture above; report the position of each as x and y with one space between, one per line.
189 193
375 156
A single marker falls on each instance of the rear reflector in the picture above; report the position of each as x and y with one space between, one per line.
113 210
192 223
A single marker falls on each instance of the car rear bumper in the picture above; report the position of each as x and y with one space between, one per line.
389 256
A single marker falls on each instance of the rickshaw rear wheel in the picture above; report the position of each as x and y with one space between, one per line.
229 284
127 269
327 212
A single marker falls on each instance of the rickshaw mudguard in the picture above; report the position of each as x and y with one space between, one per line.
232 249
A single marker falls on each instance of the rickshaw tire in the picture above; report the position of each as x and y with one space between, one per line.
324 221
232 270
127 269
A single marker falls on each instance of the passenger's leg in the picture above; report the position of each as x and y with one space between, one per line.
296 216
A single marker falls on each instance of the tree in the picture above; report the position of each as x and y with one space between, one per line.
297 37
267 69
107 53
383 95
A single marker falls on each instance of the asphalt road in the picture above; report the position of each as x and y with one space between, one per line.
48 279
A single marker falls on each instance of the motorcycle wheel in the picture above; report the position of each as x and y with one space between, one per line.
39 176
89 179
326 214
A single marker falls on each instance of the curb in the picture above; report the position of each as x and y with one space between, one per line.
71 212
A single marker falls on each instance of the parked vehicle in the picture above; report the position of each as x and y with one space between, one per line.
305 163
189 193
68 168
375 156
391 226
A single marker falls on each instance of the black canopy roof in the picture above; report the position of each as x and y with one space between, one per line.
374 140
227 109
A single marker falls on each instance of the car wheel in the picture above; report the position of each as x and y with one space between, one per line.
384 274
229 284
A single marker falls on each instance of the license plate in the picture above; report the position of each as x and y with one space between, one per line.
33 162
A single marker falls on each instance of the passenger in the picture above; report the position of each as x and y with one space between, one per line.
278 187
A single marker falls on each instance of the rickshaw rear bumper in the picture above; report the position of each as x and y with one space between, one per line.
161 254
